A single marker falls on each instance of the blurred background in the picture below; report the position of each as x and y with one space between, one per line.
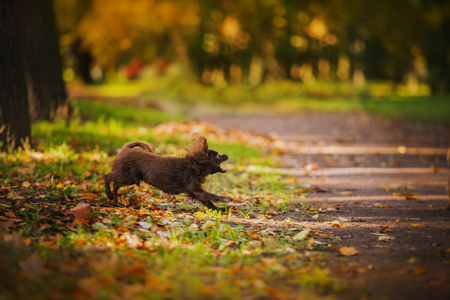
389 57
401 45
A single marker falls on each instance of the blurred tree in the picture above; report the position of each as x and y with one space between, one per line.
14 113
250 41
77 57
43 66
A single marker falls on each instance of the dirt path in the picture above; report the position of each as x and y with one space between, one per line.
361 169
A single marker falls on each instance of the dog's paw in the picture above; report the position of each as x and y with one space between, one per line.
224 199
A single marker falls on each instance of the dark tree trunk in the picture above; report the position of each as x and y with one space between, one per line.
83 61
15 123
46 90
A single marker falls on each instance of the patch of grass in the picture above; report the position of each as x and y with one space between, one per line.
429 109
95 110
380 98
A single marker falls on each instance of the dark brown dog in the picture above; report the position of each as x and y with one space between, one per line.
172 175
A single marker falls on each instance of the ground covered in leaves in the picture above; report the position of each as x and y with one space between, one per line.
297 229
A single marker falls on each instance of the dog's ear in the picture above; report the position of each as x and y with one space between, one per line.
201 144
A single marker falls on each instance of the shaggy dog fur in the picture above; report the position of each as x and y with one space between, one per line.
172 175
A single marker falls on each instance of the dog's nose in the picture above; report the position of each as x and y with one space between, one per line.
226 156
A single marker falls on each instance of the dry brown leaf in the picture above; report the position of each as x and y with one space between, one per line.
81 210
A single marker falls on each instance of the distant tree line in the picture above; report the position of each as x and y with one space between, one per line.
251 41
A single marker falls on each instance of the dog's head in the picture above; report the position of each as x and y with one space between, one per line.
215 159
200 150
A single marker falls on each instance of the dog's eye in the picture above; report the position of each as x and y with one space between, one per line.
218 156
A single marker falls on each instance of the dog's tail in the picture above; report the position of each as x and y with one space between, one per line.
143 145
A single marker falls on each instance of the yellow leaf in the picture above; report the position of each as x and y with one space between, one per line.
14 196
193 228
407 196
348 251
302 234
208 224
413 260
60 186
345 193
26 184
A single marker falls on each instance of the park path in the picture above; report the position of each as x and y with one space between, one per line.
366 174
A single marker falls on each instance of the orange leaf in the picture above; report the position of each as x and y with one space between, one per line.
254 235
89 196
269 214
348 251
420 271
385 229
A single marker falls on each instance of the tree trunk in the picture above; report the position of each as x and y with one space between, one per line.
15 125
46 90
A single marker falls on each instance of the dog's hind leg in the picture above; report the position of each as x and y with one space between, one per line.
107 186
115 190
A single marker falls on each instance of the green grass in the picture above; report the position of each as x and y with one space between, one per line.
95 110
379 98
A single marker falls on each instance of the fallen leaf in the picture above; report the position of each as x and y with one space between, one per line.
413 260
89 196
310 167
14 196
234 203
80 213
385 238
193 228
269 214
145 225
407 196
81 210
385 229
26 184
302 234
390 187
343 193
348 251
208 224
420 271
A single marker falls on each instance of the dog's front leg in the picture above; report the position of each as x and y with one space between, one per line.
205 198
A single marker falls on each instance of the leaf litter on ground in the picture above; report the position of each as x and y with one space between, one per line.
66 234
